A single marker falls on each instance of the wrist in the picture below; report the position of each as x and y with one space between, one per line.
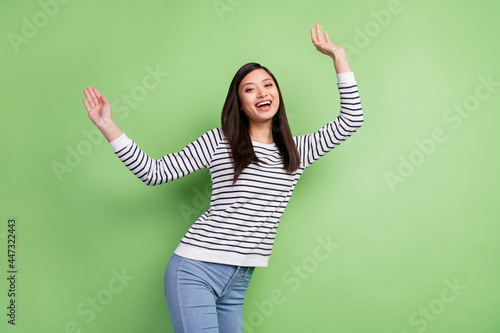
106 125
110 131
341 65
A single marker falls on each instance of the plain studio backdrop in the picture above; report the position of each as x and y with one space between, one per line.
396 230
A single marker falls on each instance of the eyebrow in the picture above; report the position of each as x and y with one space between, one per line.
253 83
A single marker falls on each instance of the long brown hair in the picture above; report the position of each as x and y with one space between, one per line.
235 127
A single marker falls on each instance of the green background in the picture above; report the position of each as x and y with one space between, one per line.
411 212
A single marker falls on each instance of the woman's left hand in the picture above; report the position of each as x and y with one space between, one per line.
324 45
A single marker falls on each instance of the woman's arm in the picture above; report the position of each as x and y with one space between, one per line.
194 156
312 146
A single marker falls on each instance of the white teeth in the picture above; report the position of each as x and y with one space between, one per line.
264 103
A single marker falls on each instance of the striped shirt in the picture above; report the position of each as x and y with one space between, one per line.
240 226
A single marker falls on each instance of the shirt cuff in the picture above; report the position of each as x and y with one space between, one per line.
346 77
119 143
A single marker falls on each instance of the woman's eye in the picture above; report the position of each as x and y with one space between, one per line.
269 85
248 89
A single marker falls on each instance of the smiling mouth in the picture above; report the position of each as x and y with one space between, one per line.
264 105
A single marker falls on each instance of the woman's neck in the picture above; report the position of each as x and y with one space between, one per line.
261 132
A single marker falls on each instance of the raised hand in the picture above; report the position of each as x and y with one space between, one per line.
325 46
99 111
98 107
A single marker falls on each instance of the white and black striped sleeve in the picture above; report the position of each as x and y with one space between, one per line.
312 146
196 155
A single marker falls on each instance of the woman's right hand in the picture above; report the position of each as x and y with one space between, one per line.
99 111
98 108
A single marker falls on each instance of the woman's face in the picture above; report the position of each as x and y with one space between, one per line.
259 96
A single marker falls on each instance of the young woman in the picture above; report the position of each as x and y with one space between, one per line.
254 163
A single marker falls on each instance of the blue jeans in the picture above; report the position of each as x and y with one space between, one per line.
205 297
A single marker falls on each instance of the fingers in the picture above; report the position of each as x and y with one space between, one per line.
97 93
319 31
104 100
87 106
313 37
100 98
89 97
93 97
318 36
327 38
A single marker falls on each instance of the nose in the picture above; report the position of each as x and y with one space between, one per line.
262 93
